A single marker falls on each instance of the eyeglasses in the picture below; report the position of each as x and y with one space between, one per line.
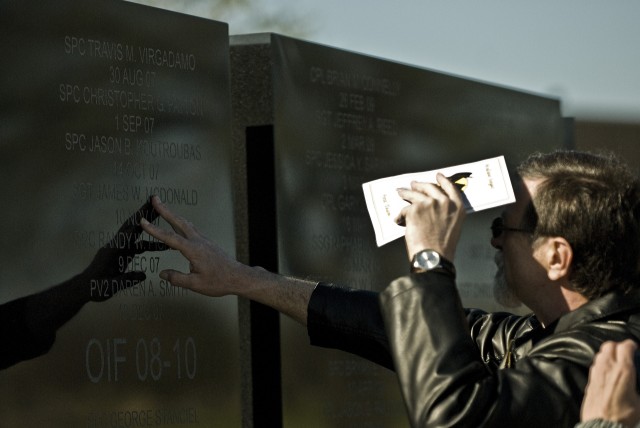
497 227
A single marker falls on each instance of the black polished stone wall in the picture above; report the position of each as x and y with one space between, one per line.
330 120
103 103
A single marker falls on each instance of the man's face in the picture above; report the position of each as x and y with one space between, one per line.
517 266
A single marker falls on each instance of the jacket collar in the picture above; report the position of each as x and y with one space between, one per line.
607 306
610 304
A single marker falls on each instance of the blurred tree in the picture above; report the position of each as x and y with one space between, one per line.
243 16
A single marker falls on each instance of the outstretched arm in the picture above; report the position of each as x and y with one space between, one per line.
214 273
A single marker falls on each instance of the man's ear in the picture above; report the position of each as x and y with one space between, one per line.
558 256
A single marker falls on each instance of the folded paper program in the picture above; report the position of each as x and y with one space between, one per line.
484 184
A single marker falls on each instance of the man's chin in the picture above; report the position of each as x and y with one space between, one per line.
503 294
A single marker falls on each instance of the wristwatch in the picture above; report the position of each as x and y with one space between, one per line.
431 261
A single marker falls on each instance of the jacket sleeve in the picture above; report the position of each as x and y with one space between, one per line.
600 423
443 378
349 320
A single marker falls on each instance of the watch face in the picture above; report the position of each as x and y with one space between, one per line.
427 259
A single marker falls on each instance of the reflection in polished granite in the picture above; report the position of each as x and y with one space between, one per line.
103 103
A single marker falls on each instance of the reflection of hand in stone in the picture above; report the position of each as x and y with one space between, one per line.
28 325
107 274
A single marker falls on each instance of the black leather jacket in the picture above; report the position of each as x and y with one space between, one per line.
469 368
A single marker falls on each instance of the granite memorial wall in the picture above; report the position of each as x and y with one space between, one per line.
103 103
324 121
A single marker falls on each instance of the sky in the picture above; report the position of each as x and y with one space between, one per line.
584 52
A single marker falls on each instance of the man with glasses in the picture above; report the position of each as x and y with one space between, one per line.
569 249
